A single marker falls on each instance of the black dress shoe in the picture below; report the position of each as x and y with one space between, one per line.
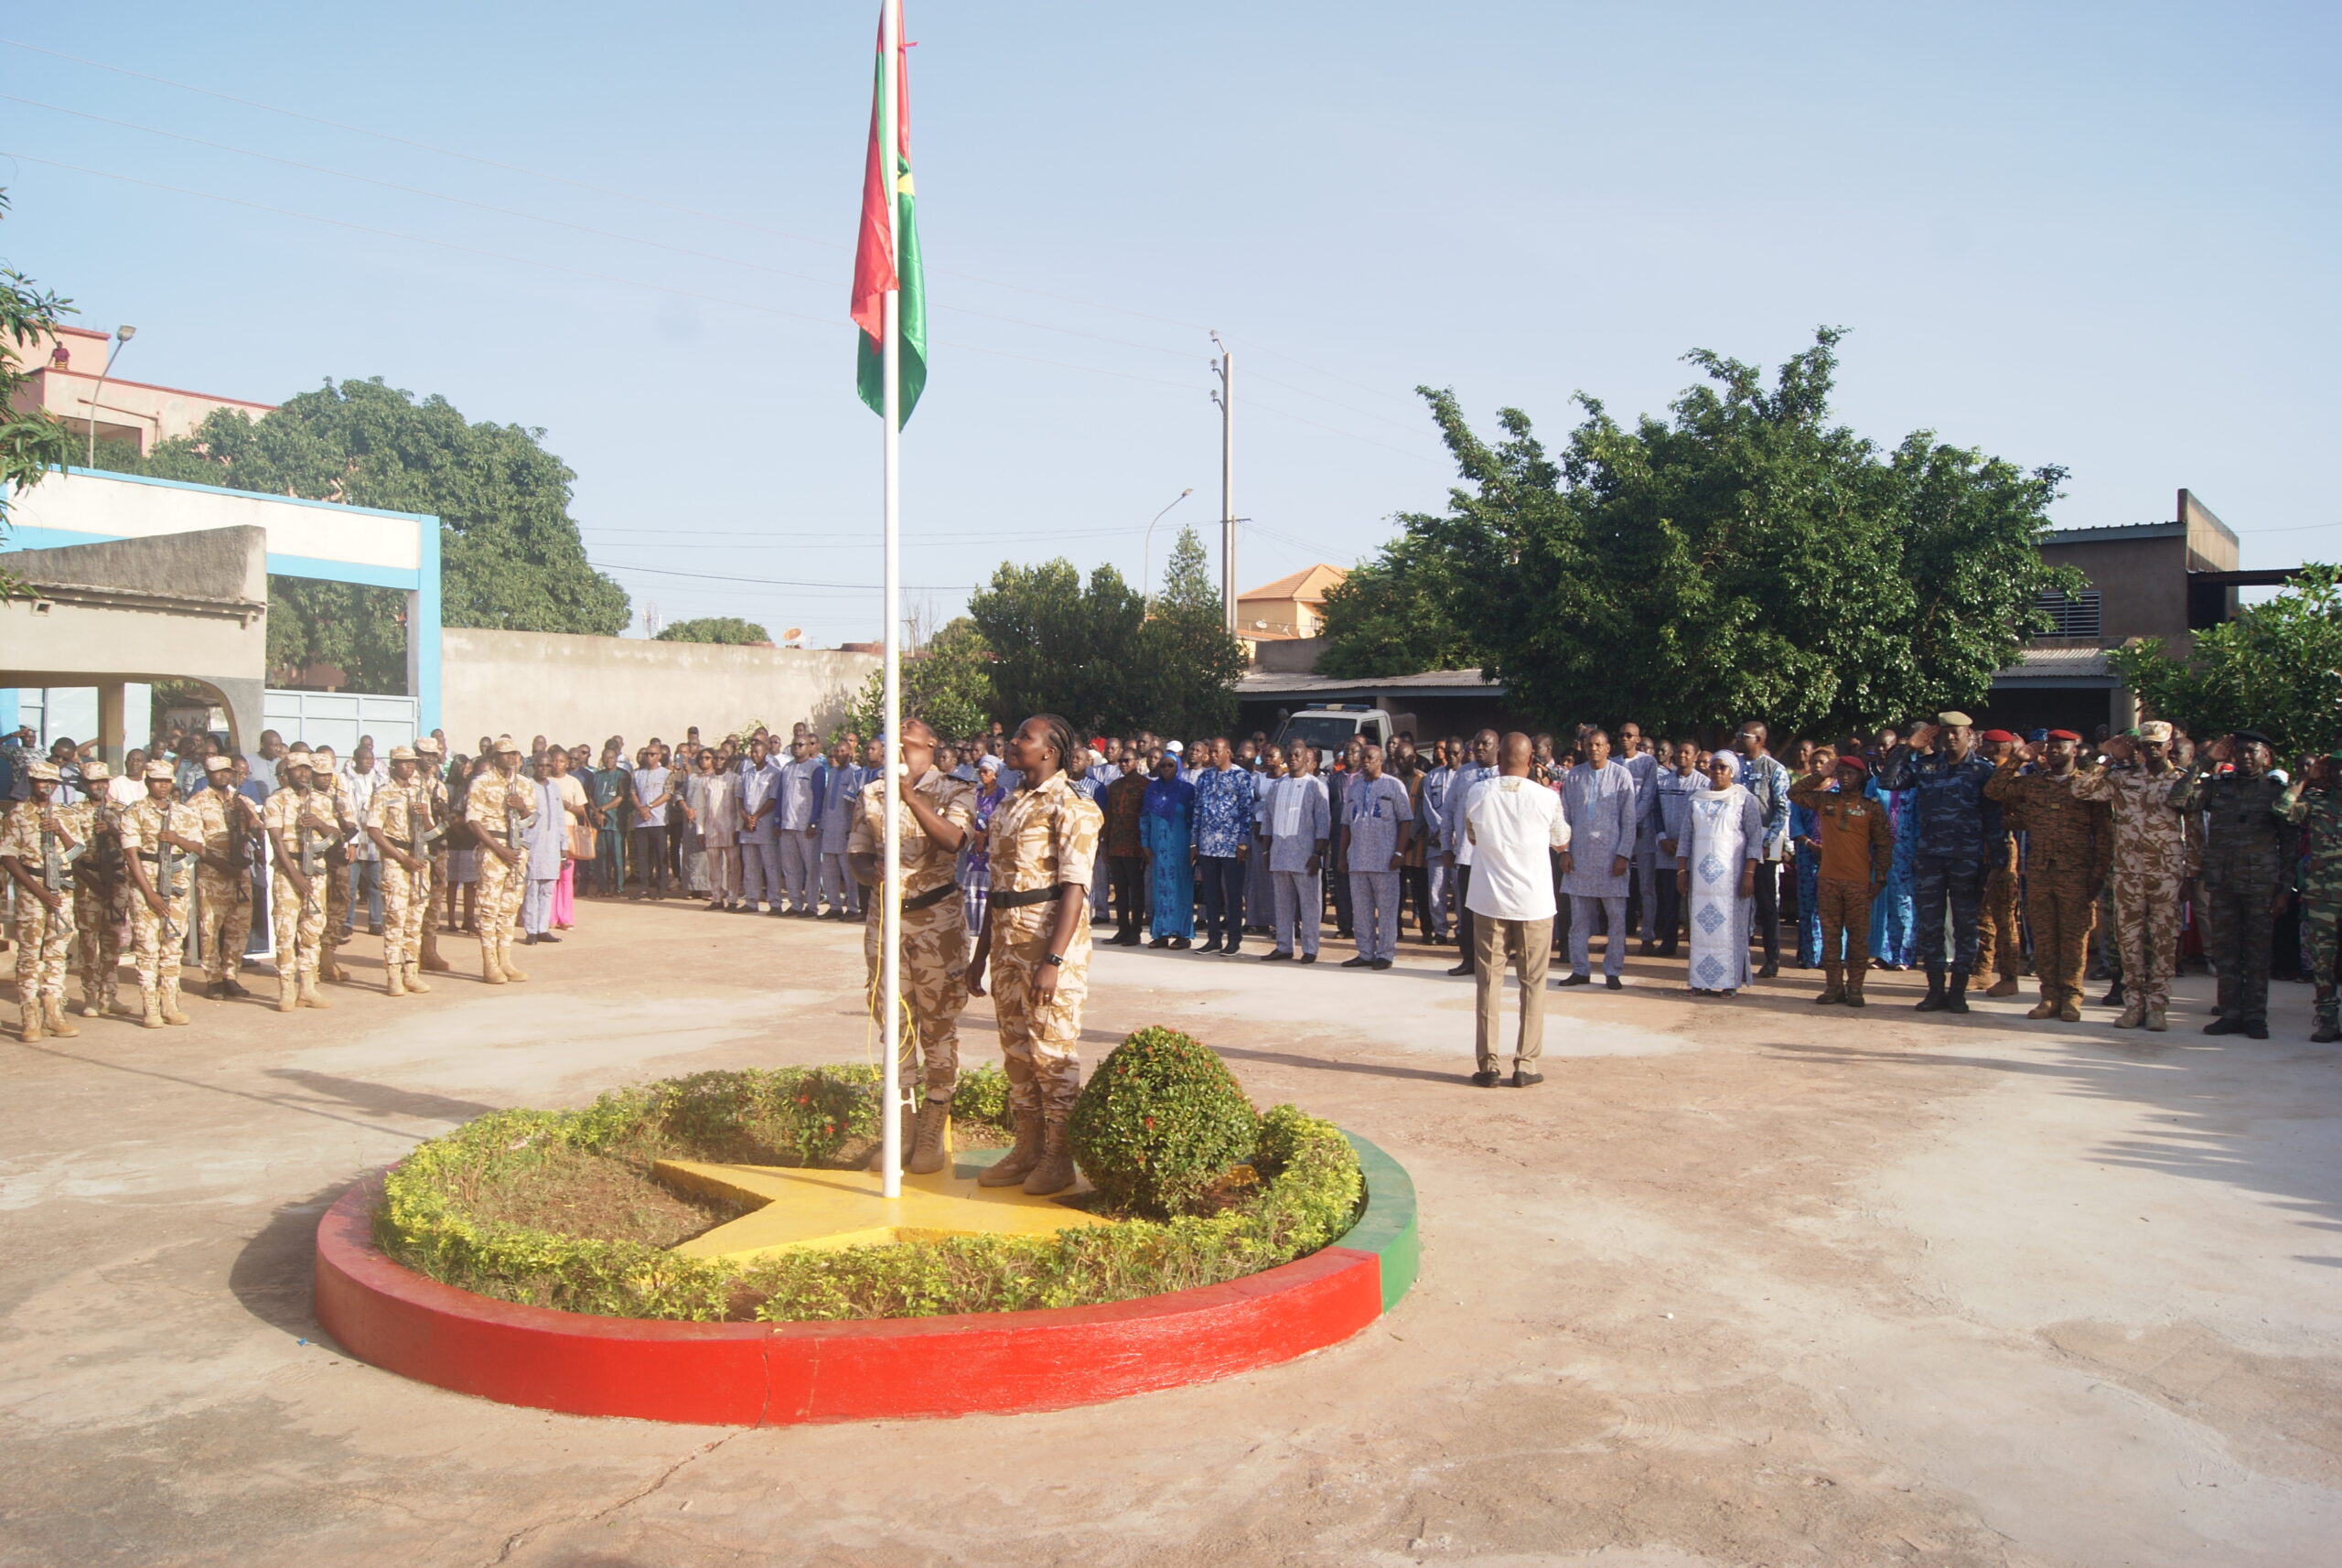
2256 1031
1275 955
1768 971
1667 950
1381 963
1614 983
1312 958
1461 969
528 938
1573 979
1180 944
1359 962
1522 1078
2224 1026
1160 942
1486 1079
547 936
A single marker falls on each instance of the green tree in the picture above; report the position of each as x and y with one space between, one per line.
1185 680
1389 617
510 557
32 440
947 683
713 629
1745 558
2276 668
1061 647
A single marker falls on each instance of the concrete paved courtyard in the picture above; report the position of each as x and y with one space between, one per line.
1752 1283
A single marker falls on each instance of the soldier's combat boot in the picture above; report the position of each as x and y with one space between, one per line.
490 970
394 979
309 997
288 993
1956 1001
2004 986
504 961
2114 997
2133 1016
150 1000
234 989
1054 1172
2045 1008
928 1154
327 969
2326 1033
1018 1164
28 1027
2155 1020
1935 1000
414 979
93 1004
878 1155
2069 1010
1833 985
216 992
172 1013
431 959
53 1018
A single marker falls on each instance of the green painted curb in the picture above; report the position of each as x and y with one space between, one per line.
1387 1228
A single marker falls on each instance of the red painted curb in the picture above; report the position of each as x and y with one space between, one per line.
778 1374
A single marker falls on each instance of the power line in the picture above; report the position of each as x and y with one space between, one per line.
786 583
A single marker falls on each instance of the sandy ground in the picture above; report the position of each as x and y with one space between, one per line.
1741 1283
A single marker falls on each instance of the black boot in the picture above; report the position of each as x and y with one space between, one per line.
2114 998
1958 1001
1934 1001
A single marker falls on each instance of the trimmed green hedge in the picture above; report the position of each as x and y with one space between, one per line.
1307 1194
1159 1122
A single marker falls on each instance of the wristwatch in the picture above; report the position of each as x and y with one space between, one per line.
1056 958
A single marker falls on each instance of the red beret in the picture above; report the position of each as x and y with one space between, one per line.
1856 763
2061 735
1996 735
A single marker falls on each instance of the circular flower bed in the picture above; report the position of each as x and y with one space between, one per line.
559 1208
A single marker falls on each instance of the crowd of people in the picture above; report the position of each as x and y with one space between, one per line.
1976 858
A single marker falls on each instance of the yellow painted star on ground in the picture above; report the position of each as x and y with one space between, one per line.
796 1206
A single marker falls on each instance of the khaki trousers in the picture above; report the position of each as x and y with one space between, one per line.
1527 945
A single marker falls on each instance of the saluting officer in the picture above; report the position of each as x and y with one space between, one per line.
939 813
1044 839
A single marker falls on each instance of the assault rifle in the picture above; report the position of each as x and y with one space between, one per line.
56 864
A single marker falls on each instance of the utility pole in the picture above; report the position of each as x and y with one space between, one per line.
1225 368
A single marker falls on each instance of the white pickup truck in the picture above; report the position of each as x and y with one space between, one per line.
1330 727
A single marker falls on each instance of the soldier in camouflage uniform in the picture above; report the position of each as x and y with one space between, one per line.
2000 946
2248 867
223 883
1956 826
2151 860
160 838
2069 850
324 777
99 885
37 848
301 829
939 812
1035 933
2314 800
501 803
428 887
396 820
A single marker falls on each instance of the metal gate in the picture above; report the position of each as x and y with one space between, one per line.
337 718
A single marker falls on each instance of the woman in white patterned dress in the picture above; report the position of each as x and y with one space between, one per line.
1715 867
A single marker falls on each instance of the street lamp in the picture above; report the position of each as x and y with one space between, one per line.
1146 551
122 335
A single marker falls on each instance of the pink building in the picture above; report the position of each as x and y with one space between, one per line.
65 371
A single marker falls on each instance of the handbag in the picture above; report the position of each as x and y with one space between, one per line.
581 841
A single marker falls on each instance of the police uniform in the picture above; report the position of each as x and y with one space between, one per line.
303 820
1042 838
934 962
223 898
498 808
2070 849
39 837
401 812
158 937
1956 826
98 883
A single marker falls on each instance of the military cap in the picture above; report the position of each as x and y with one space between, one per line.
1853 760
2154 729
2060 734
43 770
2252 737
296 758
428 746
219 763
402 754
1997 735
162 770
95 773
504 743
1954 721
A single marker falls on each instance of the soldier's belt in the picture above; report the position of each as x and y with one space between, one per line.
1020 900
932 897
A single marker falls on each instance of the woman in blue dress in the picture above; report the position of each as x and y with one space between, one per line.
1805 830
1166 828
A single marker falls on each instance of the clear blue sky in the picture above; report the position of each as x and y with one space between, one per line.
2099 236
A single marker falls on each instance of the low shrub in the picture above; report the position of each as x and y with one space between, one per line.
1307 1194
1159 1122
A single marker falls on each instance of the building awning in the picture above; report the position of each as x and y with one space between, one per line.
2080 667
1302 689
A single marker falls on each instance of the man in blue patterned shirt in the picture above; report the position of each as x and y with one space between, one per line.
1227 804
1766 778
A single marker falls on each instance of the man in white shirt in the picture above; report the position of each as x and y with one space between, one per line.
1469 776
1513 825
654 789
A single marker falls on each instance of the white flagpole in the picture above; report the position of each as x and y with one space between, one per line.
890 933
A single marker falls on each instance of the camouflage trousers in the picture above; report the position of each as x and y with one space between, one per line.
1844 909
299 925
2322 934
44 939
426 890
2062 910
337 881
1041 1043
156 941
97 946
501 887
406 894
935 989
223 918
2239 924
2000 947
2147 935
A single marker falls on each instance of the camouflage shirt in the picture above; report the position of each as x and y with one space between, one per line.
26 825
2066 833
1955 821
289 812
926 865
2248 842
2320 810
400 812
144 822
496 803
2150 834
1043 837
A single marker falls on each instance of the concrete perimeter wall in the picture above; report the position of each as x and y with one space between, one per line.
573 689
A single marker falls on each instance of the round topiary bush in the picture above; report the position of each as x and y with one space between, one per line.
1159 1122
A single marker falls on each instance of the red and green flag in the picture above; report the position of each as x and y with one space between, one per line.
888 259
